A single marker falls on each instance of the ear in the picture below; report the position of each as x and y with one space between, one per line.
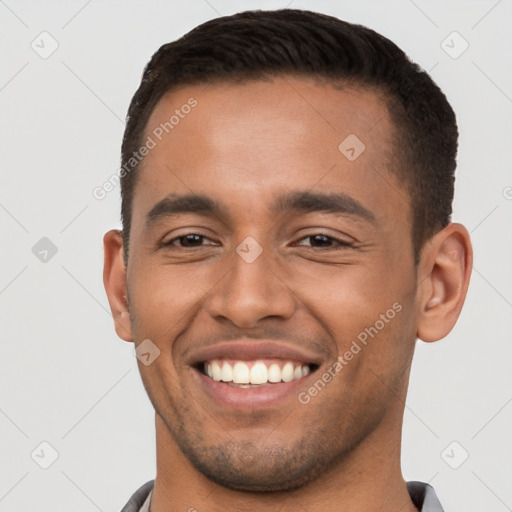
443 279
114 280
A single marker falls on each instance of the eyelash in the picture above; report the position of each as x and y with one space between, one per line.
341 243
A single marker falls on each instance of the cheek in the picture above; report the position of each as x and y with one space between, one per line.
345 297
369 316
164 298
388 344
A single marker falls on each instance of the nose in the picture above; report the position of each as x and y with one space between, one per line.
251 292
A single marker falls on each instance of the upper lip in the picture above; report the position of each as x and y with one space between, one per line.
248 350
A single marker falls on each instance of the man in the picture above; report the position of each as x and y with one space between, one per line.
287 181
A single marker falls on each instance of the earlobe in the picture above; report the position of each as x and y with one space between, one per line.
446 265
114 280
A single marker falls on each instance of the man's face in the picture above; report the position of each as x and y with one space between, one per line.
273 275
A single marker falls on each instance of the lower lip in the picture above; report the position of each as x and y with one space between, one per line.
267 397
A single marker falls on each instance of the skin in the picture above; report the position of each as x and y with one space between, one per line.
243 145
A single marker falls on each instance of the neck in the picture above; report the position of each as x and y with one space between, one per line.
369 478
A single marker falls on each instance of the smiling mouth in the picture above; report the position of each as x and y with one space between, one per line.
256 373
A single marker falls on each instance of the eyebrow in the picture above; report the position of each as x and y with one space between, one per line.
174 205
308 202
303 202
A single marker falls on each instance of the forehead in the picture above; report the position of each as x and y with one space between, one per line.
300 109
248 142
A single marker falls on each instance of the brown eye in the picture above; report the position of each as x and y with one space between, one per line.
320 240
188 240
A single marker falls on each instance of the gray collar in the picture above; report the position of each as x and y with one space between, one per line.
422 495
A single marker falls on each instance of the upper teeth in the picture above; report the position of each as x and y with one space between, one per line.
258 372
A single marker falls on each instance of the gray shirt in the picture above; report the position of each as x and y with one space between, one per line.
422 495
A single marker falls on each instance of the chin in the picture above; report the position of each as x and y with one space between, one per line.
244 467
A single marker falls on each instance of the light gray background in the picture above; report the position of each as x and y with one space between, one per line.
67 379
